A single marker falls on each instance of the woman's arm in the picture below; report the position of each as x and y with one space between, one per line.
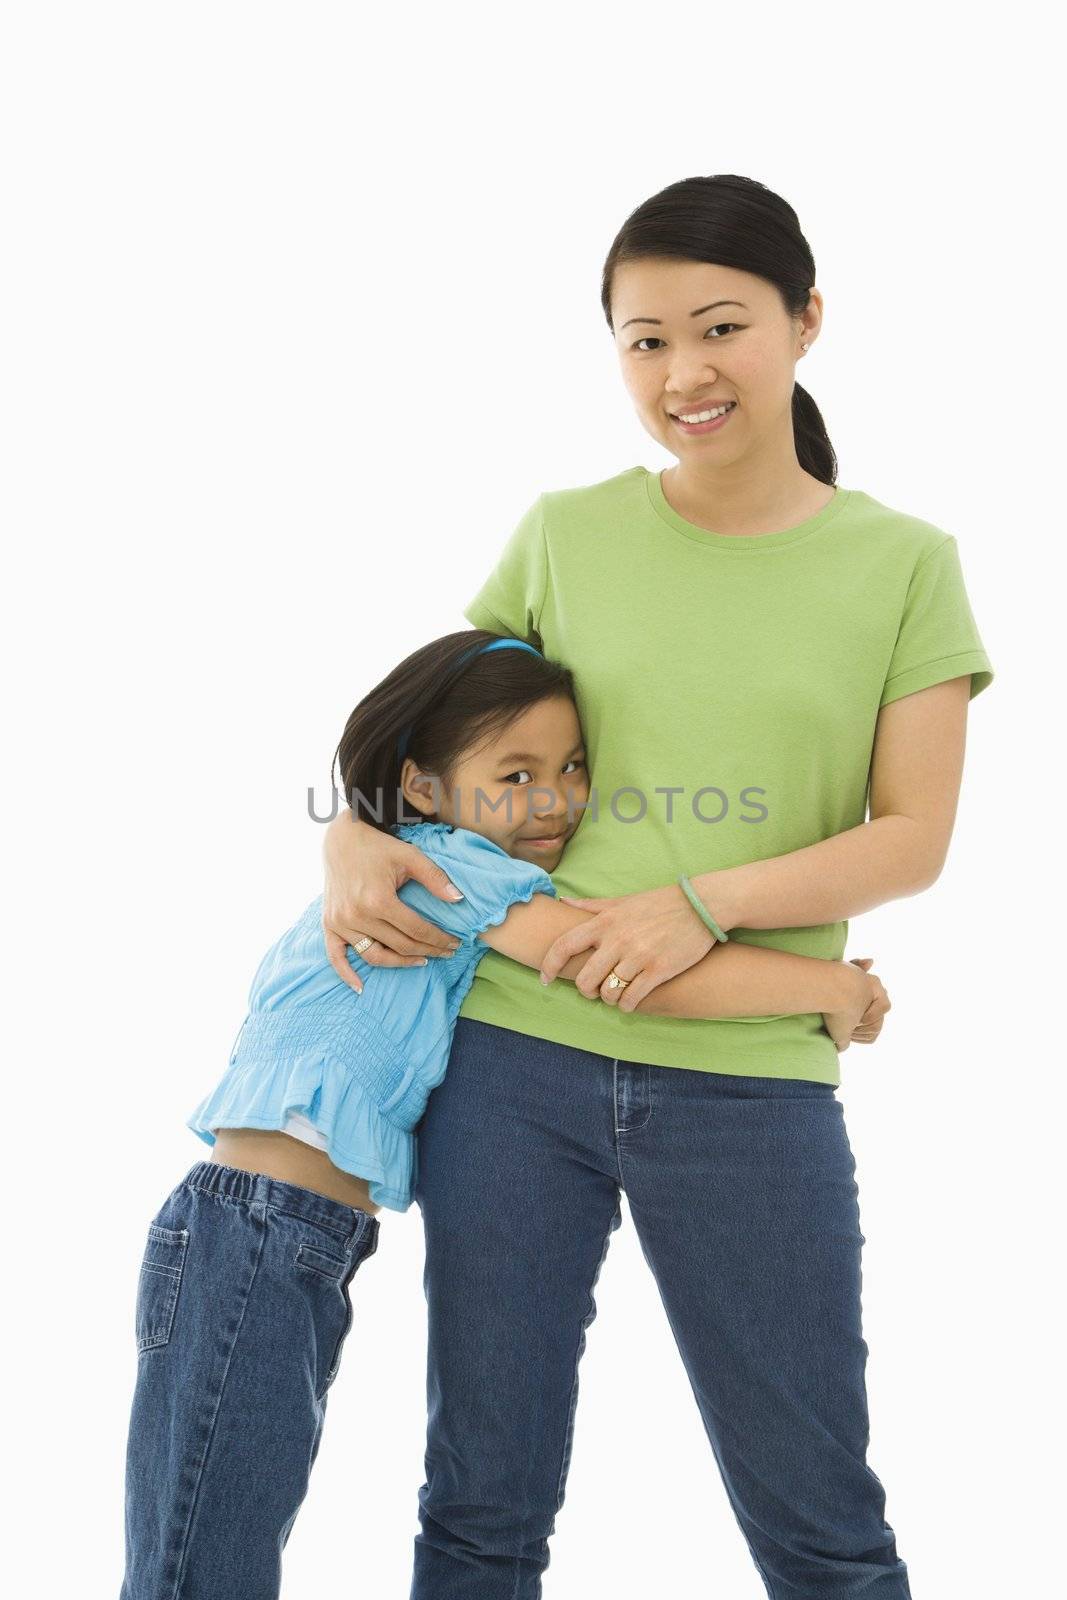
364 869
916 771
733 980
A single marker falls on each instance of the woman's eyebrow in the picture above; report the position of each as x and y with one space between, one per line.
699 312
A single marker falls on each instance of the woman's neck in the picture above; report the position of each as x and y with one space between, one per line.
743 502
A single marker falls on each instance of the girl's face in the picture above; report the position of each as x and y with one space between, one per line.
523 789
690 336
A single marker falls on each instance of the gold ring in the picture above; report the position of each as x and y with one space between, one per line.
363 943
615 982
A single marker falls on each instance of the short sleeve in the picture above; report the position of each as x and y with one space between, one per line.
491 881
511 598
938 638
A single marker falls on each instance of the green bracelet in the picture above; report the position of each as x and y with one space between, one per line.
701 909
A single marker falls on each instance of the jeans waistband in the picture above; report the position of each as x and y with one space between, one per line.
214 1177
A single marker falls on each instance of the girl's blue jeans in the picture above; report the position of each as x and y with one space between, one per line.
743 1195
242 1310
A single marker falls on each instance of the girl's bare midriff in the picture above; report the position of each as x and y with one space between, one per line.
290 1161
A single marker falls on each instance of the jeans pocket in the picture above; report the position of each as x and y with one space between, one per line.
158 1285
334 1274
322 1262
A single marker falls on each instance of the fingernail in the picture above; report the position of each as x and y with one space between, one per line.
543 978
456 894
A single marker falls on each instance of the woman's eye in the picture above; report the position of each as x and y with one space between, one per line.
575 763
715 329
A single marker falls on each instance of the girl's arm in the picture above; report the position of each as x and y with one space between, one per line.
733 980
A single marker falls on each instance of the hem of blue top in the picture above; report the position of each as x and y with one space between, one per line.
293 1059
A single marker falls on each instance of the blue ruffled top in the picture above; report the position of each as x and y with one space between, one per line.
360 1067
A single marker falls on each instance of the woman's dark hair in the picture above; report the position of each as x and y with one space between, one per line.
446 707
730 221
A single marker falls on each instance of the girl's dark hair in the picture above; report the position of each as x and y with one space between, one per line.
446 706
731 221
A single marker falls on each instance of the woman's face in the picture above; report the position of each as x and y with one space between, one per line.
523 789
690 336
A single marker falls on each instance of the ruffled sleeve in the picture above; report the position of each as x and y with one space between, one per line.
491 881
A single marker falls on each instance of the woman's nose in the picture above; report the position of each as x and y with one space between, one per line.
689 377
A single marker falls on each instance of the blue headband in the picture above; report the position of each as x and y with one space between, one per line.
494 644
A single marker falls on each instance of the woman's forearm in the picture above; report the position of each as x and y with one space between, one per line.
345 826
732 980
739 980
886 859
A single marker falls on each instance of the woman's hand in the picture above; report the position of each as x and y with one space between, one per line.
646 937
861 1020
364 869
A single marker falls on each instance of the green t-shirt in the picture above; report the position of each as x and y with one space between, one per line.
746 674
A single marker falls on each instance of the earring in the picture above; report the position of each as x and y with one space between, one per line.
803 346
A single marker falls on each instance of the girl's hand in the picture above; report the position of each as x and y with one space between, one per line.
647 937
861 1021
364 869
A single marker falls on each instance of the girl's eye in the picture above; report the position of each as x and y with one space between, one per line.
715 329
529 774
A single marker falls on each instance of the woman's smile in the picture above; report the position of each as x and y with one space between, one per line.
712 426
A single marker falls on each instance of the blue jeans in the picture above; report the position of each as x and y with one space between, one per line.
743 1195
242 1309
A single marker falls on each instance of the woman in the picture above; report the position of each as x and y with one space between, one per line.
756 648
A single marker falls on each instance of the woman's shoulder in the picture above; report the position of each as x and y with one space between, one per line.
902 532
607 492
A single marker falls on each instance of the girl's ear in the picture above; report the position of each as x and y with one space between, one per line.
421 790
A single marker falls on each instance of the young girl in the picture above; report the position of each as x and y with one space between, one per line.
243 1301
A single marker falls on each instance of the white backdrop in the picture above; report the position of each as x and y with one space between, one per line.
237 236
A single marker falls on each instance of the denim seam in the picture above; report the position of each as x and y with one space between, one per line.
620 1133
615 1117
639 1127
585 1323
205 1453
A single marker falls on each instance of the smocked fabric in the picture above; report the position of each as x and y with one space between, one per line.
360 1067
